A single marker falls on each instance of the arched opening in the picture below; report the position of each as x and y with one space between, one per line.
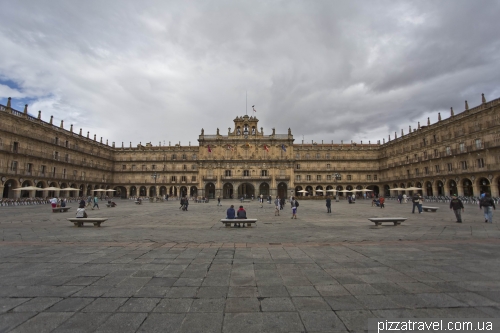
282 190
246 190
264 189
72 193
428 189
89 189
121 192
319 190
172 191
133 191
210 191
25 194
375 190
227 191
183 191
297 191
193 192
452 185
52 194
142 191
340 188
484 185
163 191
8 190
40 185
309 190
440 187
81 189
387 192
152 191
467 185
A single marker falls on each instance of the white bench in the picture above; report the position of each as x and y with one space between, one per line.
78 222
396 220
430 209
248 222
60 209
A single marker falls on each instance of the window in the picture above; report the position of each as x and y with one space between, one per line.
464 165
173 179
307 156
328 166
193 167
426 170
183 178
194 156
193 178
66 158
448 151
450 167
349 177
56 141
174 157
64 173
480 163
228 173
133 167
153 167
328 177
416 172
263 173
66 144
144 167
246 173
436 153
437 168
184 167
308 177
13 166
434 138
478 144
461 147
425 155
318 155
318 177
297 178
124 167
53 171
29 168
297 166
56 155
424 142
375 177
184 156
368 177
327 156
15 147
42 169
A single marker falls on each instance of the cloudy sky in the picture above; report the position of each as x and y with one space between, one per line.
151 71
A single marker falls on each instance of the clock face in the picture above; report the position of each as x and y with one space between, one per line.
4 179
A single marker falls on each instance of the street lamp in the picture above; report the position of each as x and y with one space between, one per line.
154 176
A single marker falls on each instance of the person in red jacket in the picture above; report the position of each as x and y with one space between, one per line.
382 200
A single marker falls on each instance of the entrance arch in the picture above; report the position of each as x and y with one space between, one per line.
227 191
142 191
467 186
210 191
264 189
320 189
387 192
297 193
121 192
453 187
309 190
194 191
9 186
183 191
440 187
40 185
133 191
282 190
246 190
163 191
484 185
428 189
152 191
340 188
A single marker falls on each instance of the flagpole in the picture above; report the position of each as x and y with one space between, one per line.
246 103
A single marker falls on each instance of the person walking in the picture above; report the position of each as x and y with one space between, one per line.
400 198
218 201
282 203
488 205
186 204
416 200
457 205
277 206
294 209
328 204
96 202
89 201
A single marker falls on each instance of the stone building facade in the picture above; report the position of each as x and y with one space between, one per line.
459 154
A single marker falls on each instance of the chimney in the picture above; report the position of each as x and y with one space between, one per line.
439 116
51 118
466 105
71 128
40 114
483 99
451 112
62 124
25 109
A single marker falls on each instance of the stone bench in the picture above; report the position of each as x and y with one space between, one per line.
246 200
60 209
78 222
430 209
396 220
248 222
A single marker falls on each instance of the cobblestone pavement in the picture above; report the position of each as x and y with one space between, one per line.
155 268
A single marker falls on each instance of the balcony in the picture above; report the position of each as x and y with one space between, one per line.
210 178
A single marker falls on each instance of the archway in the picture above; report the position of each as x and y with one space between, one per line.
52 194
452 185
467 186
210 191
227 191
133 191
264 189
142 191
172 191
64 190
297 193
375 190
40 185
80 190
428 189
25 194
246 190
121 192
340 188
282 190
484 185
163 191
89 189
8 190
387 191
72 193
183 191
193 192
309 190
319 190
440 187
152 191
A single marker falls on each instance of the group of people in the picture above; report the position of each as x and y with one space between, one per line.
486 203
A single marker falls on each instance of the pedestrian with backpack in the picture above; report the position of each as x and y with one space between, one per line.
487 204
416 203
294 208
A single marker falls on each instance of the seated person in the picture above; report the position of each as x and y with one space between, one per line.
113 204
80 211
241 214
230 214
63 203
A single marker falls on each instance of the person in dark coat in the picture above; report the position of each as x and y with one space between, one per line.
328 204
457 205
241 214
487 204
230 214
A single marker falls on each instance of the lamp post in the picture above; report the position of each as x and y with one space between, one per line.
154 176
336 176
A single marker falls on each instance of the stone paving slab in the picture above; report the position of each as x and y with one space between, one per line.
153 268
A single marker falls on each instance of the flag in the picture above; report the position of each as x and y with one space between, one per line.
253 107
265 147
209 150
230 148
283 147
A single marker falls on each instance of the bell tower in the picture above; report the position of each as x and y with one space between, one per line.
246 127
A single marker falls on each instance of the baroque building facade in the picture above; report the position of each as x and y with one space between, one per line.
459 154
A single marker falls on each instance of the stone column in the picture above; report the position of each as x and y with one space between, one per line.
460 189
494 189
475 188
434 188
